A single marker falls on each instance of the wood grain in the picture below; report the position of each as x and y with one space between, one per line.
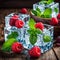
57 51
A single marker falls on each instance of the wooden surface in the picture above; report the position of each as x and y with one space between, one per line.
52 54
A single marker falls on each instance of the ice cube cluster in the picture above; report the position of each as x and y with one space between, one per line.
23 35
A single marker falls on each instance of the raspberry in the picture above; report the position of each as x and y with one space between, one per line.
17 47
54 21
39 25
35 52
58 16
19 23
13 20
24 10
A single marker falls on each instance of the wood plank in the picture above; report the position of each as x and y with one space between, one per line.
57 51
49 55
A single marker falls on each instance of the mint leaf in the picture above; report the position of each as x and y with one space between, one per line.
33 38
38 10
56 10
38 13
30 31
34 12
6 47
31 23
12 35
49 1
47 38
38 31
47 13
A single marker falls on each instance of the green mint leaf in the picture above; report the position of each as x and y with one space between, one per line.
12 35
49 1
31 23
38 10
33 38
34 12
56 10
47 38
47 13
38 13
30 31
38 31
6 47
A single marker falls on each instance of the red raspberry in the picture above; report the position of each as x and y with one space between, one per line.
58 16
13 20
39 25
54 21
24 10
17 47
35 52
19 23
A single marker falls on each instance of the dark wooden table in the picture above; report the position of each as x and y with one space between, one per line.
52 54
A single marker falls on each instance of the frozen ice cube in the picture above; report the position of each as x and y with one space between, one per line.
54 6
24 17
40 42
8 31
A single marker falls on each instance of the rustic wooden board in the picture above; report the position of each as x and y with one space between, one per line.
49 55
57 51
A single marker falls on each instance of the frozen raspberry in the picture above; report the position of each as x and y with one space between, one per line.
58 16
35 52
39 25
54 21
24 11
13 20
19 23
17 47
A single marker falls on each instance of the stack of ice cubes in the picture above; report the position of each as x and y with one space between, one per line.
23 35
42 6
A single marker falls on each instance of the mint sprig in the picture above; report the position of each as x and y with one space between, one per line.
12 35
33 32
47 13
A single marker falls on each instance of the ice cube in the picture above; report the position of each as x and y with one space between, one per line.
40 42
54 6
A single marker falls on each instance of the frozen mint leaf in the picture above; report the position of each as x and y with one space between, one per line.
38 10
31 23
47 13
56 10
33 38
12 35
30 31
38 13
47 38
15 34
38 31
34 12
